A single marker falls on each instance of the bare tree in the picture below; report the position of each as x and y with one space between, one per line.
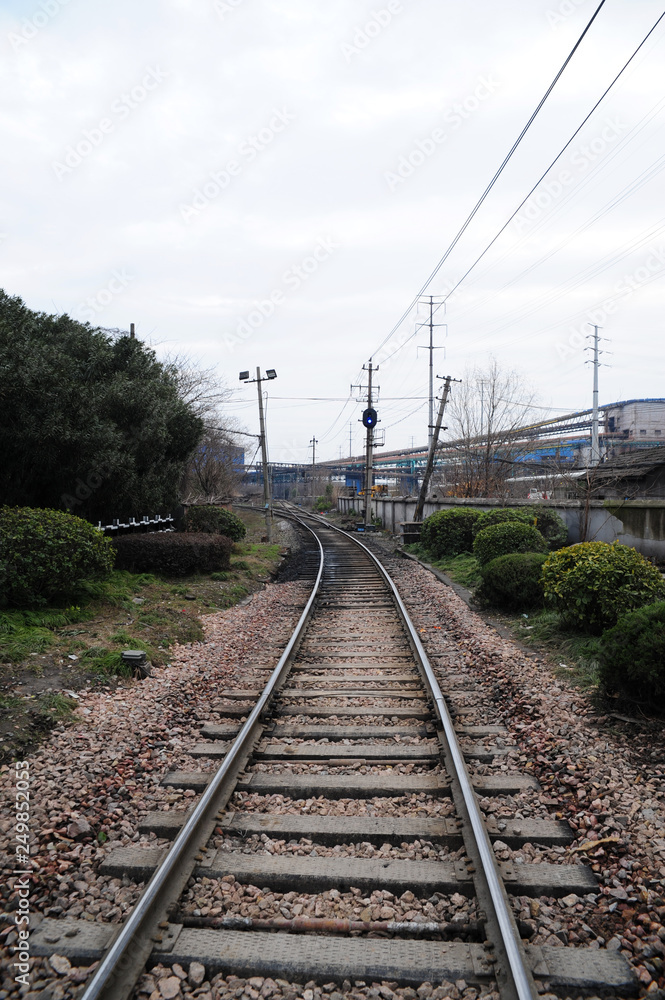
215 469
485 415
201 388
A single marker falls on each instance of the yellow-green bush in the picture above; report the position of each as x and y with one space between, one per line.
592 584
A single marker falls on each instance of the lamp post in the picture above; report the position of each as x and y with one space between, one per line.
267 500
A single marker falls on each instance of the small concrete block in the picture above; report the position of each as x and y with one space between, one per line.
81 941
305 786
292 873
336 733
593 971
346 829
367 751
352 710
547 879
302 957
196 780
137 863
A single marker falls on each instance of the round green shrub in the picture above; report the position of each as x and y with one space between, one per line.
502 539
632 655
592 584
449 532
214 521
513 582
44 554
500 515
551 526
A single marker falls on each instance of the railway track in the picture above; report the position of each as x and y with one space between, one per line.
349 764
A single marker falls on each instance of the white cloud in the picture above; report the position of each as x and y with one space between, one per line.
191 284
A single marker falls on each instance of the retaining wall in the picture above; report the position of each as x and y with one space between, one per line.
638 523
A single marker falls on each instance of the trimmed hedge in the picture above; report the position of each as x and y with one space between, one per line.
513 582
214 521
592 584
449 532
551 526
632 655
502 539
44 554
172 553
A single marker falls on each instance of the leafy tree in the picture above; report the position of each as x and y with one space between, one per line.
89 422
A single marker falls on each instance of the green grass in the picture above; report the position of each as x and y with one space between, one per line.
26 632
573 650
462 569
57 707
118 589
240 564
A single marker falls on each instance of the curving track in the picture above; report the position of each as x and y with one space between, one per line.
354 729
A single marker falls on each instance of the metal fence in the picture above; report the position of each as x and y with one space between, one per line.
145 524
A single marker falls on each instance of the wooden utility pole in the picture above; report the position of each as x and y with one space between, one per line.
432 448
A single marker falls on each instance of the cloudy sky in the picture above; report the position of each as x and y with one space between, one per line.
271 182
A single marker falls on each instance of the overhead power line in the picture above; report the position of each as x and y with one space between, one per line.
493 181
554 161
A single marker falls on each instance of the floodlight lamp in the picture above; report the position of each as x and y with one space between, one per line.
243 376
271 373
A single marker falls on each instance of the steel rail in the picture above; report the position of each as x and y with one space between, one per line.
134 928
522 979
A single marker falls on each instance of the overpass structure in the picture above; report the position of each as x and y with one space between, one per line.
563 441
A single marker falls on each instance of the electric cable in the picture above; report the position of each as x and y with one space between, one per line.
494 179
555 160
524 200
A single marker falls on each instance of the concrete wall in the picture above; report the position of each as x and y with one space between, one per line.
638 523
